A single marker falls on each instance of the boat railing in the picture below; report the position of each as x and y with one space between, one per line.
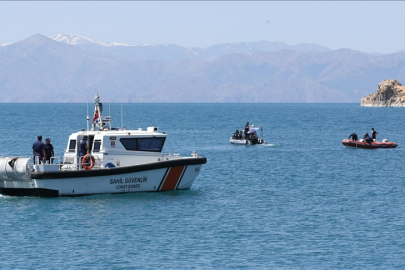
94 162
172 154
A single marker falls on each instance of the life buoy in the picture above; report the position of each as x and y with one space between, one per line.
86 165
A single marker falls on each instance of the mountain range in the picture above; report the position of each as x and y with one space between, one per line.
170 52
67 68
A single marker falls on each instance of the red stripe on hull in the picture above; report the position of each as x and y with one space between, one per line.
172 179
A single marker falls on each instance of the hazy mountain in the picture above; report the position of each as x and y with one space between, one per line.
170 52
39 69
82 40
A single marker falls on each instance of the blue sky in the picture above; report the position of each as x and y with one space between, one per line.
368 26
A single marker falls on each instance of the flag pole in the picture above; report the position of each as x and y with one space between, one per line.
88 115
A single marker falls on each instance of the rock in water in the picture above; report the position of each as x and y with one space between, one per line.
390 93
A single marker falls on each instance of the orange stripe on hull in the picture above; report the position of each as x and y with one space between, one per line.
172 179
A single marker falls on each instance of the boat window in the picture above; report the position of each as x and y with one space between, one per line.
150 144
72 146
97 146
143 144
129 143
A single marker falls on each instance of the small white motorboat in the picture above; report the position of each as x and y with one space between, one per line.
248 139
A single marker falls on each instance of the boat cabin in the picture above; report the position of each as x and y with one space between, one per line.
116 147
112 147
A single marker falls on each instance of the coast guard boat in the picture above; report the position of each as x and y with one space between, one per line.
252 138
118 161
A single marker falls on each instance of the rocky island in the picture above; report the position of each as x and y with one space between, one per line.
390 93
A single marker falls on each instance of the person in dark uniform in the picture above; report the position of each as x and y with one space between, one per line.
247 130
48 150
38 150
83 146
374 134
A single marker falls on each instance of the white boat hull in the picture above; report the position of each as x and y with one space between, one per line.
245 142
162 176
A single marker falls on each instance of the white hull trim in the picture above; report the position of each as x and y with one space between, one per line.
242 142
166 175
245 142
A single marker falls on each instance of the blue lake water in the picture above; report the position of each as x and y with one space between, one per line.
303 201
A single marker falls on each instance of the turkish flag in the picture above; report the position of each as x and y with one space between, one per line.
95 116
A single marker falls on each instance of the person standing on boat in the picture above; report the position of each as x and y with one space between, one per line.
38 150
373 134
247 131
49 150
83 146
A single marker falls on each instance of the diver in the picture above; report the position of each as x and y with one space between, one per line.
247 131
353 137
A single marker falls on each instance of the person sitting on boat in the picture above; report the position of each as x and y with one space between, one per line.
247 131
367 138
373 134
83 146
353 137
38 150
236 135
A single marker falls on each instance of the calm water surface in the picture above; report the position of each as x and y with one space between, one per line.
304 201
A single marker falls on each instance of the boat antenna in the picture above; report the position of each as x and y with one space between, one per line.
122 119
88 115
109 110
261 131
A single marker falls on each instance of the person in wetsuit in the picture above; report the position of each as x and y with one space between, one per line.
353 137
247 131
236 135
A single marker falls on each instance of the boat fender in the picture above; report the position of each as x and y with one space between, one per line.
86 165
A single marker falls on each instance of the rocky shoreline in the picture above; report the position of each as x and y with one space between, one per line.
390 93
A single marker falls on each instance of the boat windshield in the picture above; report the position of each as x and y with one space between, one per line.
143 144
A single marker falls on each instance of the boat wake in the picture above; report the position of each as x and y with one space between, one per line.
268 144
